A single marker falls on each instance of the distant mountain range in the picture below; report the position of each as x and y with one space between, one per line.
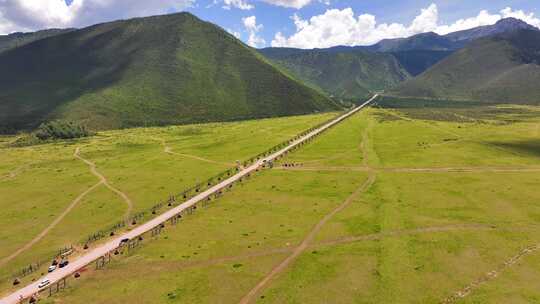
435 42
170 69
176 69
400 59
504 68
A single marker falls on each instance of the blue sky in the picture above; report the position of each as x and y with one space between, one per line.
276 18
296 23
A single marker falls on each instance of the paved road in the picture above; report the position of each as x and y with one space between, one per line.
111 245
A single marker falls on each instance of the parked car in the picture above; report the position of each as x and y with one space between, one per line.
63 264
44 283
51 268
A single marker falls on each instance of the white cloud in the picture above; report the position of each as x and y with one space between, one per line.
298 4
254 40
519 14
7 26
241 4
25 15
236 34
289 3
343 27
485 18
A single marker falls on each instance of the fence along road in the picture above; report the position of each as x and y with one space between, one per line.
113 244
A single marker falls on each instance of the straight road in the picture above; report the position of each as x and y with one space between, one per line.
113 244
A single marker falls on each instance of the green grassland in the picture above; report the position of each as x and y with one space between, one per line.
432 203
341 146
253 222
38 183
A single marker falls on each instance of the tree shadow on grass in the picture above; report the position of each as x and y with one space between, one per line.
526 147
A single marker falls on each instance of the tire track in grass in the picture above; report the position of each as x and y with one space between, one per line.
13 173
169 150
105 182
56 221
363 147
337 242
305 243
491 275
324 159
419 170
398 233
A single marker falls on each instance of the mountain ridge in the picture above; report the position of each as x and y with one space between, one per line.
19 39
158 70
504 68
348 76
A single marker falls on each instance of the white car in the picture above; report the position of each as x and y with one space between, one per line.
52 268
44 283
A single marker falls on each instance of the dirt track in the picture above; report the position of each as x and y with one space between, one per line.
169 150
417 170
112 244
336 242
105 182
305 242
397 233
489 276
12 174
102 181
56 221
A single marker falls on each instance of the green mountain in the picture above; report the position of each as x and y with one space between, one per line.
15 40
158 70
424 41
417 61
502 68
349 75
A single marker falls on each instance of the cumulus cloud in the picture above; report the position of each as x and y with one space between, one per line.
298 4
26 15
246 5
241 4
236 34
343 27
254 40
485 18
519 14
289 3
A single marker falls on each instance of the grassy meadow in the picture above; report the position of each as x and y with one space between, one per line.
39 183
394 205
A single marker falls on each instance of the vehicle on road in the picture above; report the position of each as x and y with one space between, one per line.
63 264
51 268
123 241
44 283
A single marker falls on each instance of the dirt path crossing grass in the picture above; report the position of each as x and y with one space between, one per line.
167 149
305 243
102 181
56 221
105 182
418 170
492 275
